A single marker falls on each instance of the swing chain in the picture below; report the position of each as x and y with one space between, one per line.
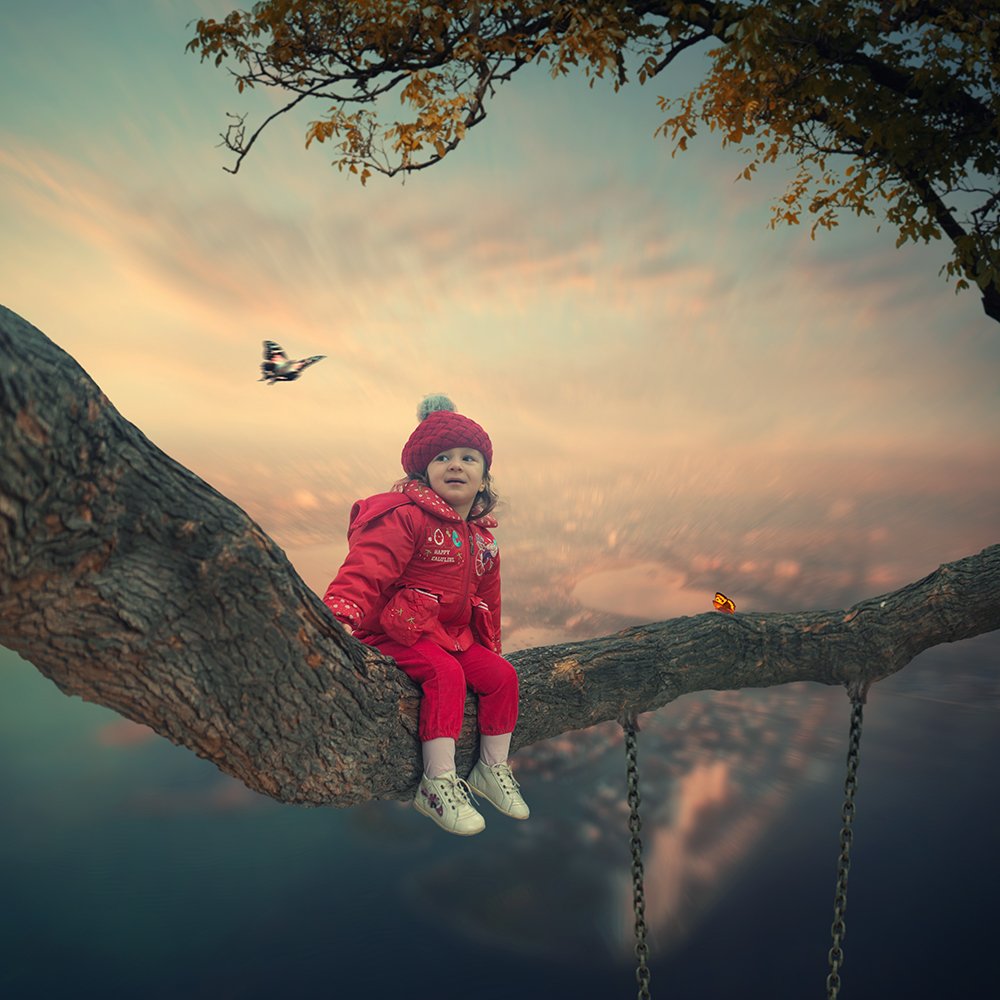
630 726
838 929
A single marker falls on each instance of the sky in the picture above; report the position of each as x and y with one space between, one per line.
680 398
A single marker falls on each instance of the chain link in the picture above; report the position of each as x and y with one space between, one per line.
630 727
838 929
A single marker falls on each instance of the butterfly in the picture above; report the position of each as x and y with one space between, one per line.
723 603
277 368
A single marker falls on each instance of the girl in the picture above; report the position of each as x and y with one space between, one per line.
421 583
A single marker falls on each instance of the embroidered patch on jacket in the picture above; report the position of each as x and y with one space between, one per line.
486 552
438 550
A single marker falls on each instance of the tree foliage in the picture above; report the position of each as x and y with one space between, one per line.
878 103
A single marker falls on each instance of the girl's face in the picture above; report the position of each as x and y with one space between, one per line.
456 476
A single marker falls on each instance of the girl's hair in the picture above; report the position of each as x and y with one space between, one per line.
486 499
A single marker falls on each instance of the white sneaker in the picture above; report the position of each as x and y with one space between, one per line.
445 800
497 784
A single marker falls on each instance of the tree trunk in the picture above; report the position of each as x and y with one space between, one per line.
991 301
132 583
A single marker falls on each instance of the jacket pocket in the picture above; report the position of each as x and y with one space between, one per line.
409 615
482 623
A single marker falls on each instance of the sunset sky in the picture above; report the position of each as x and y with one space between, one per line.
702 401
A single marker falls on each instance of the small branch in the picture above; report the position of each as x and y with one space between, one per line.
676 49
241 149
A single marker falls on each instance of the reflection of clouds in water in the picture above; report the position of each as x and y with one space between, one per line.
160 796
676 875
124 733
224 794
715 773
722 805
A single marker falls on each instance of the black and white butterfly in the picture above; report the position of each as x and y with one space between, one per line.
277 368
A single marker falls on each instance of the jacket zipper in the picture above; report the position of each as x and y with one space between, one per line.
469 567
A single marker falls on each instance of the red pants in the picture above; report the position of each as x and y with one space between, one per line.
443 677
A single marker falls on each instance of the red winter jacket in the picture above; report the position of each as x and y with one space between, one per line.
416 569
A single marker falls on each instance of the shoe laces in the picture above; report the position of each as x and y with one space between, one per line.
457 788
505 776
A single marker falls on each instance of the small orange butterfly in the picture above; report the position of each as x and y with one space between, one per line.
723 603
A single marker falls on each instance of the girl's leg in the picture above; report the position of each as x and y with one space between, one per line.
439 756
441 680
494 749
494 680
441 795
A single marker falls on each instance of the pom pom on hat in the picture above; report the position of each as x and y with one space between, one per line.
434 403
441 427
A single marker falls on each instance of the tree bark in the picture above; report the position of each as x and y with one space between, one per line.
132 583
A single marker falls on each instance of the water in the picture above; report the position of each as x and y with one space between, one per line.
130 868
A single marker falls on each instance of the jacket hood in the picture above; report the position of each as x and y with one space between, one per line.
424 497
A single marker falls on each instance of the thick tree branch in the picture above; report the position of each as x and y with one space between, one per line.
130 582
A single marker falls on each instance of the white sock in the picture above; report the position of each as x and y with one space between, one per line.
494 749
439 756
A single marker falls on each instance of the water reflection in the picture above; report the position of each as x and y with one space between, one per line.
716 771
211 885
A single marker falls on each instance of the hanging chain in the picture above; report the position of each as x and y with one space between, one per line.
631 727
838 929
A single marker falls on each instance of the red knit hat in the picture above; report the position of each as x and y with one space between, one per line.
441 428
